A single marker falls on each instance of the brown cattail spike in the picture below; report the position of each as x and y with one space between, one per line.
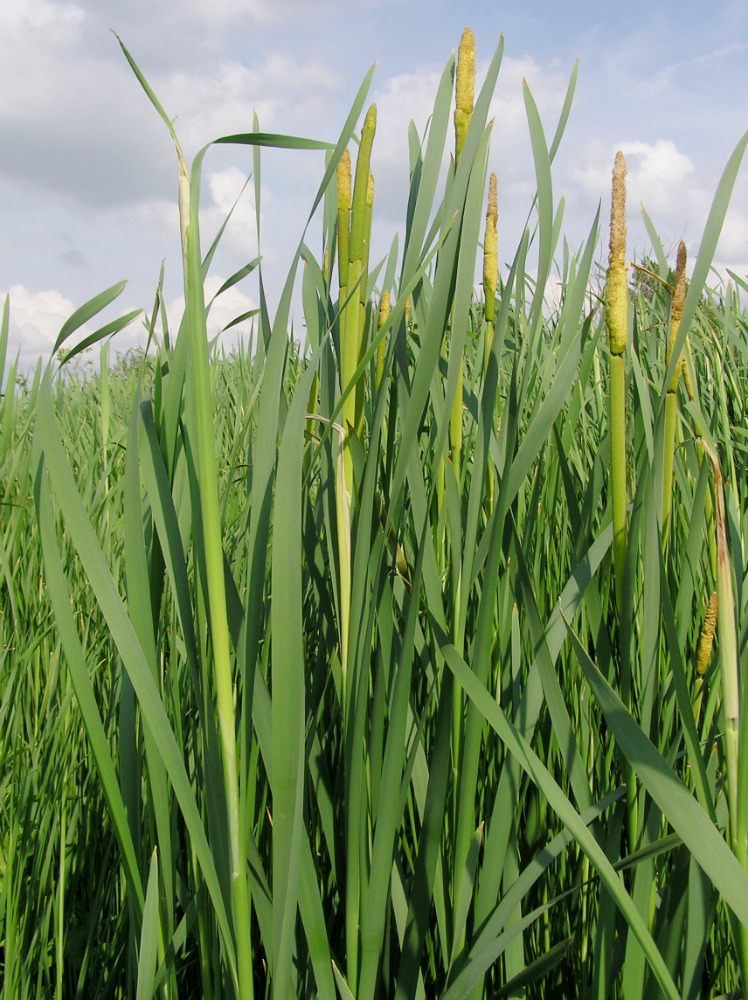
706 639
384 312
490 266
678 297
490 252
343 175
464 89
616 289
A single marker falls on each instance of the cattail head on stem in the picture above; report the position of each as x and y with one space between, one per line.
616 289
704 649
464 89
490 249
677 299
343 176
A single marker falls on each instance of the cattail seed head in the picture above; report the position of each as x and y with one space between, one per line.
616 288
676 311
676 307
706 639
361 184
343 176
679 289
343 173
464 89
384 311
490 250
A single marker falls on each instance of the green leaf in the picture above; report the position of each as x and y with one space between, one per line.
87 311
149 934
540 775
683 813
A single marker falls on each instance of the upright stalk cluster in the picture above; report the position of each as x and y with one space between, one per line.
354 228
616 318
214 568
735 741
353 264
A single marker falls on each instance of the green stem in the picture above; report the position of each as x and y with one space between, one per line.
617 402
211 522
671 413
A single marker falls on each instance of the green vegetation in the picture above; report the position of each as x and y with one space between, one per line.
307 691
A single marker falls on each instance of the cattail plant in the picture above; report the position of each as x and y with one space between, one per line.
616 318
361 313
346 349
351 321
464 89
490 266
211 527
671 400
354 225
704 651
737 764
464 98
384 312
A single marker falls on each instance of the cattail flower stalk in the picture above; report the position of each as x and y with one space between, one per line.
464 89
352 312
490 266
671 399
384 311
704 652
490 279
616 318
464 97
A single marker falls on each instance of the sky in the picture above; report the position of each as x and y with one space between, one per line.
88 172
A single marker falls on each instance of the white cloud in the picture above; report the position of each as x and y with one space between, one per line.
37 317
732 249
160 213
224 310
278 11
405 97
32 15
284 91
35 320
660 176
241 232
410 96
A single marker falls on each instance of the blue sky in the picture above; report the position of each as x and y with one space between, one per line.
88 176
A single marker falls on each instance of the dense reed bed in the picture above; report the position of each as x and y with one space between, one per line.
406 662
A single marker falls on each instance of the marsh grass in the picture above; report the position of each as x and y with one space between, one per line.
493 781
